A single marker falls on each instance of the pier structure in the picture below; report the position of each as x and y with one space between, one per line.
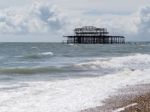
93 35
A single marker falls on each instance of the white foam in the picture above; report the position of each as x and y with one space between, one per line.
69 95
72 95
137 61
47 53
72 44
123 108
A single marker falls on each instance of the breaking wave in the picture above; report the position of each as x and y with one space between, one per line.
74 94
38 55
104 65
133 62
70 95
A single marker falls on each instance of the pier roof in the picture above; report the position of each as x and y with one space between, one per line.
90 29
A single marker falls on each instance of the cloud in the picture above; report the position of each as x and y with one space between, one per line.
134 27
42 18
37 18
143 25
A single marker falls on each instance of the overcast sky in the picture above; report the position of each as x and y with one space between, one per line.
49 20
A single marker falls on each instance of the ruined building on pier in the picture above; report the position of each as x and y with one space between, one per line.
93 35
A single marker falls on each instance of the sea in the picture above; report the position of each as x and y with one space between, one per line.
57 77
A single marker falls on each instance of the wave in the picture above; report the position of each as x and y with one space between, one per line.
47 53
75 94
133 62
13 86
70 95
104 65
72 44
38 55
31 70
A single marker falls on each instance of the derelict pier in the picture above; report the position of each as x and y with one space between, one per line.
93 35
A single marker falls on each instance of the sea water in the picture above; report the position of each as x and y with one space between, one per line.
56 77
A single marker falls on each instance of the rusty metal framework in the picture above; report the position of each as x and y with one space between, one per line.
93 35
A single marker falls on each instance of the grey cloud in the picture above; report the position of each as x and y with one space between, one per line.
38 19
44 18
144 24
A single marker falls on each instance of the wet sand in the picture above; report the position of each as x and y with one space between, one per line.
130 99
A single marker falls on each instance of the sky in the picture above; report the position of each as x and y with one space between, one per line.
49 20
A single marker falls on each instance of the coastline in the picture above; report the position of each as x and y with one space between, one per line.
130 99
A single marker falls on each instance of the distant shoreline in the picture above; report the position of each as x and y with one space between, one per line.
61 42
